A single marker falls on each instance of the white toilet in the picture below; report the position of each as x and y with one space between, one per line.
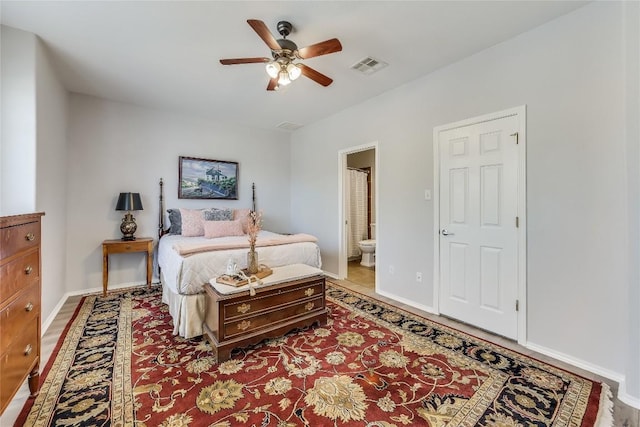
368 248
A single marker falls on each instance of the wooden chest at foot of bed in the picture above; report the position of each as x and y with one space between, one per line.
240 319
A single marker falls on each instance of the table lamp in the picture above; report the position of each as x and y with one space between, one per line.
129 202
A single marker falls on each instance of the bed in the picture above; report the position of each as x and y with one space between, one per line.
186 263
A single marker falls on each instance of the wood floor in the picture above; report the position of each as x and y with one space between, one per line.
364 276
624 416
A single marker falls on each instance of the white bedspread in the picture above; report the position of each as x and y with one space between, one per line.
187 275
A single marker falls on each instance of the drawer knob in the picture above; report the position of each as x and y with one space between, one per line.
244 308
128 247
28 349
30 237
309 292
309 306
28 307
28 270
244 325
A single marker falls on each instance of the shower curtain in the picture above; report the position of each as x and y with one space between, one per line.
356 210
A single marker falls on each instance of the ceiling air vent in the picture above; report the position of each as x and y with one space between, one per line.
288 126
369 65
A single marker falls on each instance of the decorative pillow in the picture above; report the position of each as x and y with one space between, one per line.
243 216
214 214
192 222
175 221
213 229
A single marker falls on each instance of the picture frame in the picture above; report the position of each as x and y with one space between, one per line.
207 179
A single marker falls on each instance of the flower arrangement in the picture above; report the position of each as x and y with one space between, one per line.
253 228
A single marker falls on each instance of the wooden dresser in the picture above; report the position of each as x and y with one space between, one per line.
241 319
19 304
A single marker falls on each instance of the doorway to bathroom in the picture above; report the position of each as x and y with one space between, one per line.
358 167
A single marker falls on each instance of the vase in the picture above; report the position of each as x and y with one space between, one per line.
252 262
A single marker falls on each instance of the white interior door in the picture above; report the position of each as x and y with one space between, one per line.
478 241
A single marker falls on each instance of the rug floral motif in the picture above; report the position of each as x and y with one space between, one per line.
371 365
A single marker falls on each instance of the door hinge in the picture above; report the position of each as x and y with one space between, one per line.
517 222
517 305
517 137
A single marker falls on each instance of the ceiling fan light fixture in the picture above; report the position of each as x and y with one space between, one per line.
294 71
273 68
284 79
281 68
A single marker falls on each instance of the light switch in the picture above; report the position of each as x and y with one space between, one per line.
427 194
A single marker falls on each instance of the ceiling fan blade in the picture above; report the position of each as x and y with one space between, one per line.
243 61
314 75
273 84
264 33
323 48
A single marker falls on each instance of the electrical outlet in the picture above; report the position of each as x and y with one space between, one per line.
418 277
392 269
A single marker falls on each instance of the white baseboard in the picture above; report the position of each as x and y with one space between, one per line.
54 313
333 276
578 363
625 397
406 301
392 296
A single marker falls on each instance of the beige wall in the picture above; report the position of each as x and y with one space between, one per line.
570 75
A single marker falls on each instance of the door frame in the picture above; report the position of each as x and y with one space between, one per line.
342 182
521 113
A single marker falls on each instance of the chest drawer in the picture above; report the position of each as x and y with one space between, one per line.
19 358
19 273
19 237
19 313
252 323
271 300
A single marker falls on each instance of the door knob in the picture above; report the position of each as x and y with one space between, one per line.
444 232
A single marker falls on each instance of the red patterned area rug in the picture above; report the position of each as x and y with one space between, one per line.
371 365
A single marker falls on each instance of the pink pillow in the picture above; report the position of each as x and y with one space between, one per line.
192 222
213 229
243 216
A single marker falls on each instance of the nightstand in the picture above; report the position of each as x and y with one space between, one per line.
119 246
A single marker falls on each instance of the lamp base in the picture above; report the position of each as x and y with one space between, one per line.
128 227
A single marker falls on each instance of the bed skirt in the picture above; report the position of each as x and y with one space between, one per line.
187 311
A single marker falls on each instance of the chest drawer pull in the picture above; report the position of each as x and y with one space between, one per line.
30 237
28 307
28 270
244 308
309 292
309 306
244 325
28 349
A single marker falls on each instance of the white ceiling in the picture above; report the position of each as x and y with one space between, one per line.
164 54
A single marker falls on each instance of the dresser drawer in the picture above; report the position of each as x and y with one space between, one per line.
19 237
252 323
20 312
272 299
19 273
17 360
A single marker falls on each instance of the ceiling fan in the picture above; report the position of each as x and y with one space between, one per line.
282 68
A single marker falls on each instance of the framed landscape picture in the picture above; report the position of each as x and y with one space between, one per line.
207 179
